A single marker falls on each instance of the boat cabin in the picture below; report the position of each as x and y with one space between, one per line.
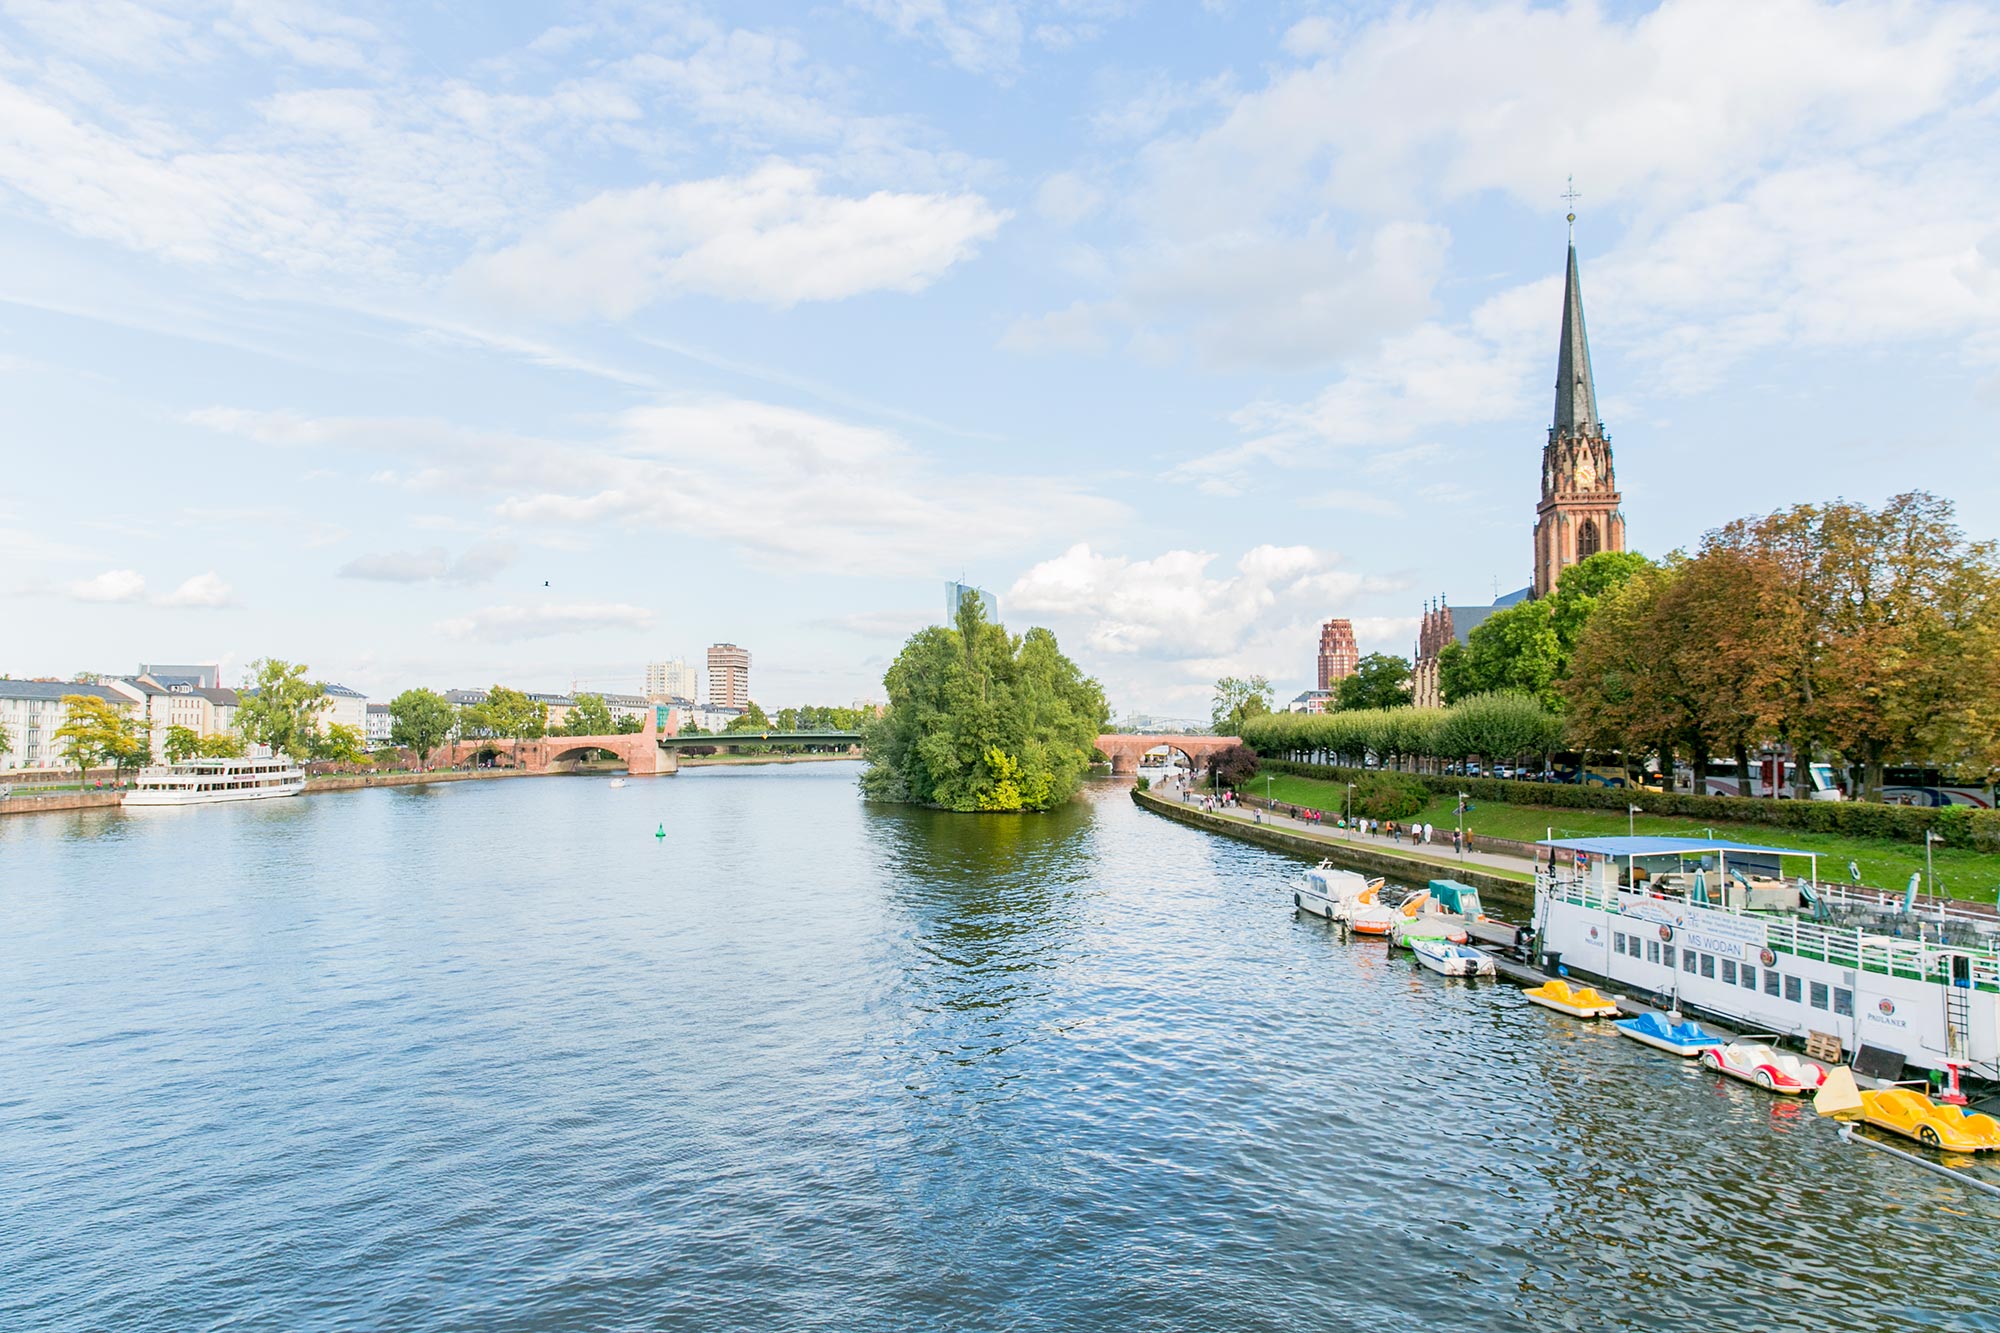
1452 896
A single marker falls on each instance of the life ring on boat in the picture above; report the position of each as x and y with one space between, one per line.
1666 932
1767 958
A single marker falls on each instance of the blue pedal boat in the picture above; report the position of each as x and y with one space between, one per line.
1662 1033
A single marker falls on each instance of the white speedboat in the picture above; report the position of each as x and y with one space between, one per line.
1452 960
1324 890
210 781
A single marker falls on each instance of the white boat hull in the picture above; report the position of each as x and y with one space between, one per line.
139 800
1455 964
1312 903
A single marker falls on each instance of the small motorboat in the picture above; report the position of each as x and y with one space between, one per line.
1580 1002
1322 890
1754 1060
1420 918
1458 899
1368 914
1452 960
617 782
1662 1033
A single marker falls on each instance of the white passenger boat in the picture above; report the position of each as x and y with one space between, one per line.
1719 930
207 781
1325 890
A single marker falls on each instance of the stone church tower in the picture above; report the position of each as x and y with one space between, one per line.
1579 514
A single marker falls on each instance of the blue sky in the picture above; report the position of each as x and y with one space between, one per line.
444 344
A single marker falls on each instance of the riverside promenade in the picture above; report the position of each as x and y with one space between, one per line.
1497 871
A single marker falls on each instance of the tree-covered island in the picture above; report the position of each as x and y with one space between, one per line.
980 720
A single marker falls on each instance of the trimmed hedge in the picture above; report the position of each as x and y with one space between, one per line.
1955 825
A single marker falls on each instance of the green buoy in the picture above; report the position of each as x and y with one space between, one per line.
662 834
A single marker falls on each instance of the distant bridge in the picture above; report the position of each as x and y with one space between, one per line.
727 738
1124 752
645 753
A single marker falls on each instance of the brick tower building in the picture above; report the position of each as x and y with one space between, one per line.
1579 514
1337 652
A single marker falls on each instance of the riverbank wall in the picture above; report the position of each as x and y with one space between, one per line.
21 803
1364 859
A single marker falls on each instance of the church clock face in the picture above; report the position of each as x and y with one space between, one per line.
1586 473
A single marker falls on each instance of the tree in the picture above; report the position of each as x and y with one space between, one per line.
341 743
219 745
978 720
1380 680
94 730
1526 648
590 717
752 718
182 743
281 708
506 713
1233 765
1236 701
6 738
628 726
419 720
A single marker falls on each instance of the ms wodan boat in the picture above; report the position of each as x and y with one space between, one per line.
207 781
1720 929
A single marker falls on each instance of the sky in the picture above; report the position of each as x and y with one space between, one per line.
444 344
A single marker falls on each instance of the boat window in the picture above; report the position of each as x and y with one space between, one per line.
1843 1001
1793 989
1729 971
1652 951
1708 965
1819 995
1770 982
1687 960
1749 977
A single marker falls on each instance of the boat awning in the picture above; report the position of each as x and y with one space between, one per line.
1624 847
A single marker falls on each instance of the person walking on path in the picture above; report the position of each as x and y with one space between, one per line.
1427 833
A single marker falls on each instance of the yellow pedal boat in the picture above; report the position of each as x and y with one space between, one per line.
1908 1112
1580 1002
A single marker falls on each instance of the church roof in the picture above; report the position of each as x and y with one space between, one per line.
1576 395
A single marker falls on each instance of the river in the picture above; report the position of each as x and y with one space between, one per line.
493 1056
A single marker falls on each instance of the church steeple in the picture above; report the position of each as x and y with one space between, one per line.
1576 396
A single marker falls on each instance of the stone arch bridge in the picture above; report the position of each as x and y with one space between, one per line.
1124 751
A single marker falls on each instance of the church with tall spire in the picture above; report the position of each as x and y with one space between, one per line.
1579 513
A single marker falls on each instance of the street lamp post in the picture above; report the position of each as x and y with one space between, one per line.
1463 797
1930 875
1349 829
1631 813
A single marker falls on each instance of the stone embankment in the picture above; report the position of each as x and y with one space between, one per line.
28 803
1513 886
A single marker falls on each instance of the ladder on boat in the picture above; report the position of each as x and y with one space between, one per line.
1958 1007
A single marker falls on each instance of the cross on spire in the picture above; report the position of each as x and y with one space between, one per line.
1570 196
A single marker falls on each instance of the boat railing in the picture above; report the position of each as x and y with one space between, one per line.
1913 959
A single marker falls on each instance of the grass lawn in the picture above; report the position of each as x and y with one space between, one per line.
1885 865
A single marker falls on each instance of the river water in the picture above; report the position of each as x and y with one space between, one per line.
494 1056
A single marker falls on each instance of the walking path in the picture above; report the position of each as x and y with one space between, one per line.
1430 855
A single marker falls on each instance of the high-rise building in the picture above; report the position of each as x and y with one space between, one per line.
672 680
1338 653
728 676
955 593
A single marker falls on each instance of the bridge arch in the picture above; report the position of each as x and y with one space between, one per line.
1124 751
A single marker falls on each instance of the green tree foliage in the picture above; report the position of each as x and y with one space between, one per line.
181 743
628 726
419 720
978 720
590 717
753 718
1872 635
1380 680
281 708
508 714
1236 701
1526 648
1493 727
340 743
219 745
95 731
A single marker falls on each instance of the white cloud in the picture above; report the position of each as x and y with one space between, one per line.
772 236
113 585
507 624
479 563
1164 629
830 496
983 36
201 590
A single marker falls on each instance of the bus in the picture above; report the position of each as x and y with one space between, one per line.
1771 775
1904 784
1599 768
